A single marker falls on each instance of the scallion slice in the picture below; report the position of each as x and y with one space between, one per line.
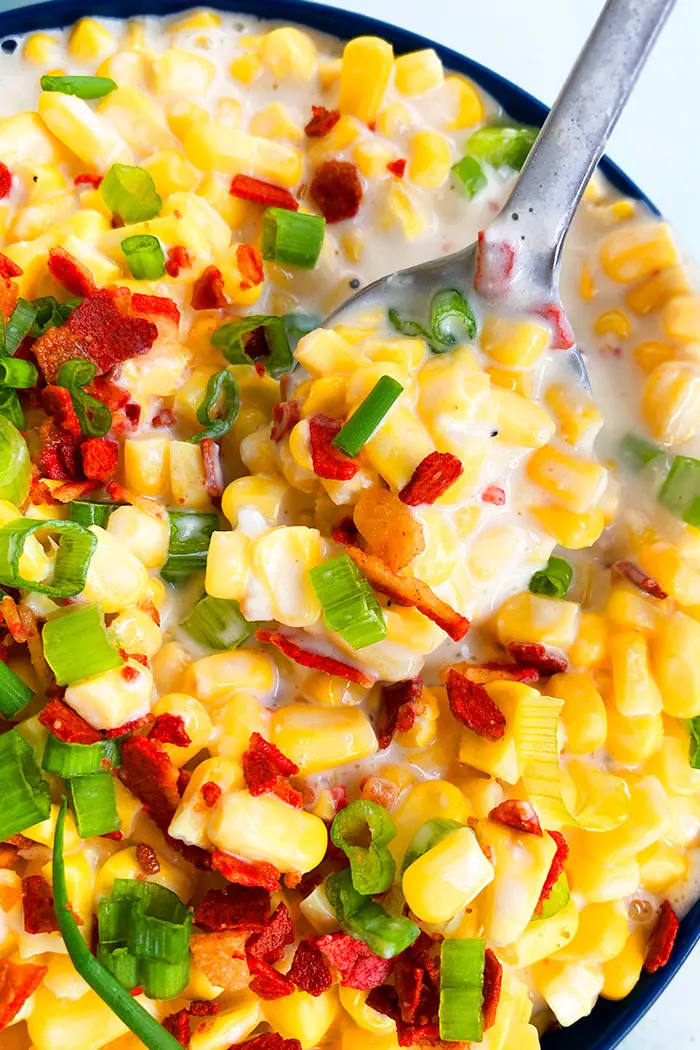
470 174
554 580
680 492
190 536
94 803
450 310
73 556
218 624
637 453
122 966
10 408
130 193
14 693
95 418
163 981
411 328
151 936
350 606
292 238
15 464
81 87
462 963
502 145
368 416
299 325
276 354
219 409
17 373
558 898
694 730
51 314
79 760
144 256
87 513
19 326
25 794
77 646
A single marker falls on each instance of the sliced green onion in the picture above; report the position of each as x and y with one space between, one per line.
19 326
122 966
554 580
144 256
79 760
190 536
427 836
368 416
94 803
77 646
15 464
502 145
694 730
366 920
130 193
95 418
153 937
350 606
637 453
470 174
87 513
14 693
51 314
449 310
81 87
230 339
558 898
219 409
11 409
292 238
218 624
299 325
411 328
134 1016
372 866
25 794
680 492
17 373
161 980
152 896
462 963
72 560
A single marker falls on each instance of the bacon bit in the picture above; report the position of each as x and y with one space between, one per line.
388 527
409 591
534 655
116 836
5 181
267 982
35 646
40 493
179 1026
109 393
662 939
472 706
178 259
246 873
17 982
58 404
556 868
165 418
250 265
386 1001
9 858
397 167
233 908
328 461
149 506
100 458
156 305
564 337
208 290
518 815
492 671
9 294
317 661
384 792
170 729
75 490
67 271
37 901
213 473
8 268
270 943
250 189
322 121
59 453
268 1041
495 266
309 970
129 674
493 979
359 967
266 769
130 727
285 416
147 859
67 724
132 413
88 180
398 709
147 606
10 613
432 477
493 494
211 793
336 190
202 1008
150 775
221 958
635 575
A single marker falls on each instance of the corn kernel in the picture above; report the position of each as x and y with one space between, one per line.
651 353
171 172
179 72
587 286
447 877
372 157
621 974
405 212
519 860
109 700
90 41
636 692
263 828
82 130
613 322
146 465
418 72
41 49
510 343
329 73
583 715
354 1002
655 292
144 535
465 103
367 66
241 1015
521 421
134 631
530 617
115 578
676 664
182 115
138 119
660 865
302 1016
671 401
635 252
576 483
320 739
498 758
246 68
168 667
234 721
25 139
543 938
62 1024
289 53
430 159
674 573
681 318
215 147
212 677
276 122
570 991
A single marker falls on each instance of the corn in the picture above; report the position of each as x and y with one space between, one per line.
212 677
266 495
171 172
241 1015
447 878
681 318
674 574
331 690
143 535
229 111
198 211
651 353
115 578
498 758
597 879
661 865
138 119
398 446
44 831
276 122
571 990
613 322
622 973
425 801
587 287
418 72
372 157
648 821
90 41
518 343
130 68
41 49
342 135
671 401
246 68
263 828
676 663
169 665
324 352
109 700
64 980
634 252
404 211
599 800
303 1016
178 72
182 115
393 119
575 412
670 764
571 530
439 559
234 721
188 482
636 692
197 20
655 292
491 550
603 930
82 130
543 938
189 824
430 159
529 617
367 66
64 1024
511 379
354 1002
322 738
575 482
633 740
216 147
24 139
134 631
147 465
521 861
520 421
631 609
466 105
583 716
128 808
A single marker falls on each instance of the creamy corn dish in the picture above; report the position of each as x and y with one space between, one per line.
349 675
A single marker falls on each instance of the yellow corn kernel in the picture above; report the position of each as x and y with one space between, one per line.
41 49
329 73
82 130
238 716
648 822
670 764
570 991
600 801
671 401
289 53
372 157
634 252
613 322
197 20
197 724
171 172
520 421
31 222
661 865
418 72
183 115
681 318
628 608
437 562
144 535
342 135
676 664
190 820
498 758
367 66
587 287
263 828
322 738
447 877
168 667
24 139
282 560
583 715
229 562
575 482
408 352
134 631
147 465
246 68
465 104
263 494
674 574
44 831
229 111
276 122
519 860
543 938
519 343
327 395
354 1002
575 412
115 578
138 119
633 740
491 549
651 353
195 209
324 353
430 159
58 1023
302 1016
215 147
590 645
109 700
241 1015
621 974
129 68
598 879
212 677
425 801
636 692
393 120
90 41
530 617
178 72
403 211
655 292
188 482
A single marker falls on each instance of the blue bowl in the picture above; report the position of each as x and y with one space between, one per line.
610 1022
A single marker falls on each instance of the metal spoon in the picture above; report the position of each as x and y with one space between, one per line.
536 217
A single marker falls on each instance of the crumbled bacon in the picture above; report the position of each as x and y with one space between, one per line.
213 474
134 726
328 462
109 393
250 265
155 305
358 966
336 190
100 458
431 479
8 268
517 814
268 1041
472 706
9 294
234 908
639 578
270 942
494 494
211 793
266 770
37 902
147 859
67 724
493 979
67 271
208 290
563 338
250 189
285 416
170 729
309 970
492 671
532 654
317 661
149 506
662 939
5 181
495 267
267 982
10 614
86 179
398 709
149 774
178 1024
204 1008
58 404
384 792
246 873
17 982
397 167
221 958
75 490
59 453
178 259
322 121
556 868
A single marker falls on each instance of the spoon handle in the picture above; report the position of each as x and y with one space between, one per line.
574 136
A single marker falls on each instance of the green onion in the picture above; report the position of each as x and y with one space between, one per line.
219 409
144 256
230 340
411 328
364 421
14 693
218 624
17 373
366 920
680 492
372 866
79 760
471 175
190 536
77 646
73 556
87 513
694 730
462 963
11 409
449 309
427 836
130 193
502 145
161 980
51 314
117 961
554 580
113 918
637 453
138 1020
558 898
292 238
350 606
82 87
25 794
299 325
15 464
152 936
94 803
95 418
19 326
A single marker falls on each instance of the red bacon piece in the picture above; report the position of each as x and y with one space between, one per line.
59 453
204 1008
492 671
473 707
270 943
155 305
285 416
397 167
317 661
208 290
86 179
178 1025
100 458
517 814
9 294
170 729
67 724
358 966
398 710
67 271
37 901
109 393
211 793
233 908
8 268
213 474
149 774
134 726
336 190
532 654
563 337
329 462
309 970
322 121
265 769
639 578
495 267
493 980
268 1041
662 939
267 982
556 868
432 477
178 259
246 873
250 189
58 404
493 494
17 982
147 859
5 181
250 265
74 490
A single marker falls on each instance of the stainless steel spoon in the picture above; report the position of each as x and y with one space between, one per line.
536 217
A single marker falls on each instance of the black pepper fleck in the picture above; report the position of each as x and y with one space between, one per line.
355 282
9 46
494 433
35 178
515 216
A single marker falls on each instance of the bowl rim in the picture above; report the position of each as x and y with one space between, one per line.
609 1021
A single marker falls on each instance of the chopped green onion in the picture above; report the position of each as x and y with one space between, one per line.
299 325
19 326
25 794
152 935
130 193
427 836
350 606
17 373
77 646
558 898
372 866
122 966
94 803
471 175
219 409
161 980
134 1016
637 453
231 340
144 256
502 145
694 730
72 560
292 238
81 87
462 963
15 464
367 417
51 314
218 624
95 418
366 920
680 492
449 310
113 918
79 760
14 693
411 328
190 536
554 580
11 409
87 513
